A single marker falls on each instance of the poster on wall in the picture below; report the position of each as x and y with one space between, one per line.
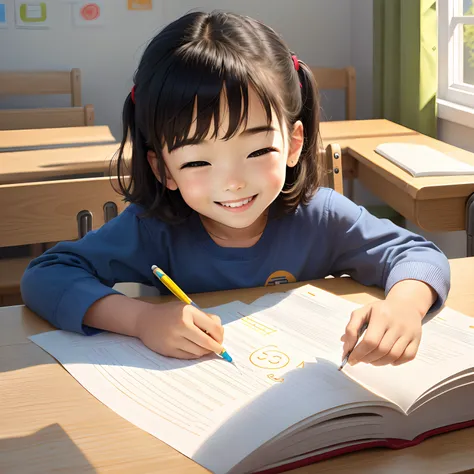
140 4
3 15
86 14
31 14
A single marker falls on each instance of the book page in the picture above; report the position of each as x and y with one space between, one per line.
446 348
447 345
201 407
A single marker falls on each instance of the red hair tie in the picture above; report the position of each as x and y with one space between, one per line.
132 93
296 62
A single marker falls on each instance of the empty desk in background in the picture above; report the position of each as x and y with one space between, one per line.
343 132
436 203
22 140
46 164
346 131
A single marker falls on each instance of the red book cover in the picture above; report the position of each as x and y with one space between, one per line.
391 443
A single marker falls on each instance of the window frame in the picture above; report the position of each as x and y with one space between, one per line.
455 98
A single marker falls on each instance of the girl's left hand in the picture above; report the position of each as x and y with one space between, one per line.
392 337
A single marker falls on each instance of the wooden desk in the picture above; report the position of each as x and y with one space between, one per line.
38 165
433 203
345 131
49 422
22 140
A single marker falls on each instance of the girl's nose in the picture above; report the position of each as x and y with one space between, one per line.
235 183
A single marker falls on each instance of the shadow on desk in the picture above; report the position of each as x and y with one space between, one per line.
27 454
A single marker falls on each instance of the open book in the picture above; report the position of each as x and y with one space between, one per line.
422 160
284 404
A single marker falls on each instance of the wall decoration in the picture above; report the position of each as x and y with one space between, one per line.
31 14
140 4
88 13
3 15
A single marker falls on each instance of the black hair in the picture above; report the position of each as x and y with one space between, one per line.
189 64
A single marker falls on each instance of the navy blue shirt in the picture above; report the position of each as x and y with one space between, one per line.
329 236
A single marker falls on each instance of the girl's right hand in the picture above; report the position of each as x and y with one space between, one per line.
179 330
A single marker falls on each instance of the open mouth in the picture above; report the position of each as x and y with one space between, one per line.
237 205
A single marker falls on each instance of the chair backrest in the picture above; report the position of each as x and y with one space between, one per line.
41 83
52 211
345 78
15 83
333 168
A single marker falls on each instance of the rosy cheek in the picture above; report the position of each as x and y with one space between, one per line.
193 189
273 174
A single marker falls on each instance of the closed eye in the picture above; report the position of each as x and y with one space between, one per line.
262 152
194 164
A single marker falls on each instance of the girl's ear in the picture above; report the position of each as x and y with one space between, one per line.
296 144
153 162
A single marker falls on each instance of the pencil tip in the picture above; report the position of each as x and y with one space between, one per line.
225 355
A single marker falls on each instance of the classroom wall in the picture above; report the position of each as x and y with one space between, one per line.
321 32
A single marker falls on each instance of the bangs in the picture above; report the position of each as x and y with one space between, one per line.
188 100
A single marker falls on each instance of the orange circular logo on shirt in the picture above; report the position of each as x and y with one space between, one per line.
280 277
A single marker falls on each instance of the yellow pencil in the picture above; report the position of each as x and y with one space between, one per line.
181 295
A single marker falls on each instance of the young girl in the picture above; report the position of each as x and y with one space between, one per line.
224 194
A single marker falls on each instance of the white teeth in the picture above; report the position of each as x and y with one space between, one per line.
237 204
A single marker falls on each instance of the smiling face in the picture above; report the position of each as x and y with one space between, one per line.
232 182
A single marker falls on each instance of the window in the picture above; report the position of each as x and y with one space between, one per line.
456 61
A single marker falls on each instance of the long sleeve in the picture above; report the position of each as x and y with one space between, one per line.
377 252
65 281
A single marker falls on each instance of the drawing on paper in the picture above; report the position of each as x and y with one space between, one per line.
257 326
269 357
275 379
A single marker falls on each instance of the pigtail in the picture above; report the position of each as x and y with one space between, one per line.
119 161
306 176
135 182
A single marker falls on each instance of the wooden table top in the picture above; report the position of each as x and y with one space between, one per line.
46 164
50 423
345 131
22 140
420 188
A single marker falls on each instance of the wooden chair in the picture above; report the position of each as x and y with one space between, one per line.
345 78
50 211
41 83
